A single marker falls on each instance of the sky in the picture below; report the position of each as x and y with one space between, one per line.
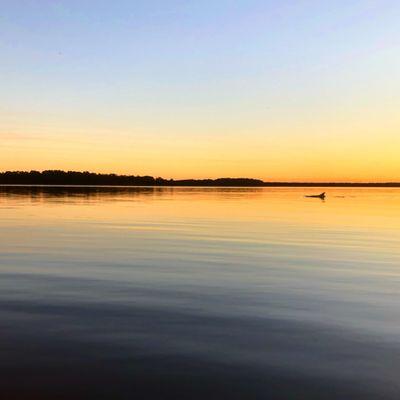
298 90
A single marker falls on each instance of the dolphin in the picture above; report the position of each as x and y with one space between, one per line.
318 196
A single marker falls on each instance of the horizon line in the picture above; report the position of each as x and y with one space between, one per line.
164 181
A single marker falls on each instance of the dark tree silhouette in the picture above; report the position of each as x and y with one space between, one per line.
64 178
57 177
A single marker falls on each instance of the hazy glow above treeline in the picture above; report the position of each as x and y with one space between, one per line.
275 90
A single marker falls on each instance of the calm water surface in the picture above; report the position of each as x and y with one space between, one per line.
199 293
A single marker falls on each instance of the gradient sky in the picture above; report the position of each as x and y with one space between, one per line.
277 90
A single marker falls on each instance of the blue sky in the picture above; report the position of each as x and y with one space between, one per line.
174 81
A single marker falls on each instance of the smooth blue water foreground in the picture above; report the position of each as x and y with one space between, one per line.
199 293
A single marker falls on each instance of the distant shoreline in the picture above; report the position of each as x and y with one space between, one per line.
73 178
266 185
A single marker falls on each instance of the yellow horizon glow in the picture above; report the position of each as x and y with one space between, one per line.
348 148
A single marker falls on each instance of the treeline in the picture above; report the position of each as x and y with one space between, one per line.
64 178
56 177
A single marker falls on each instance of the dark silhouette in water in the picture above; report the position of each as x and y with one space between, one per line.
318 196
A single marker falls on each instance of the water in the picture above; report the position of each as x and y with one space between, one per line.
199 293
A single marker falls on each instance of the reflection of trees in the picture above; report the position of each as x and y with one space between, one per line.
104 193
74 192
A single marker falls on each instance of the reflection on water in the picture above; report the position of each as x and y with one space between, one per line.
196 293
